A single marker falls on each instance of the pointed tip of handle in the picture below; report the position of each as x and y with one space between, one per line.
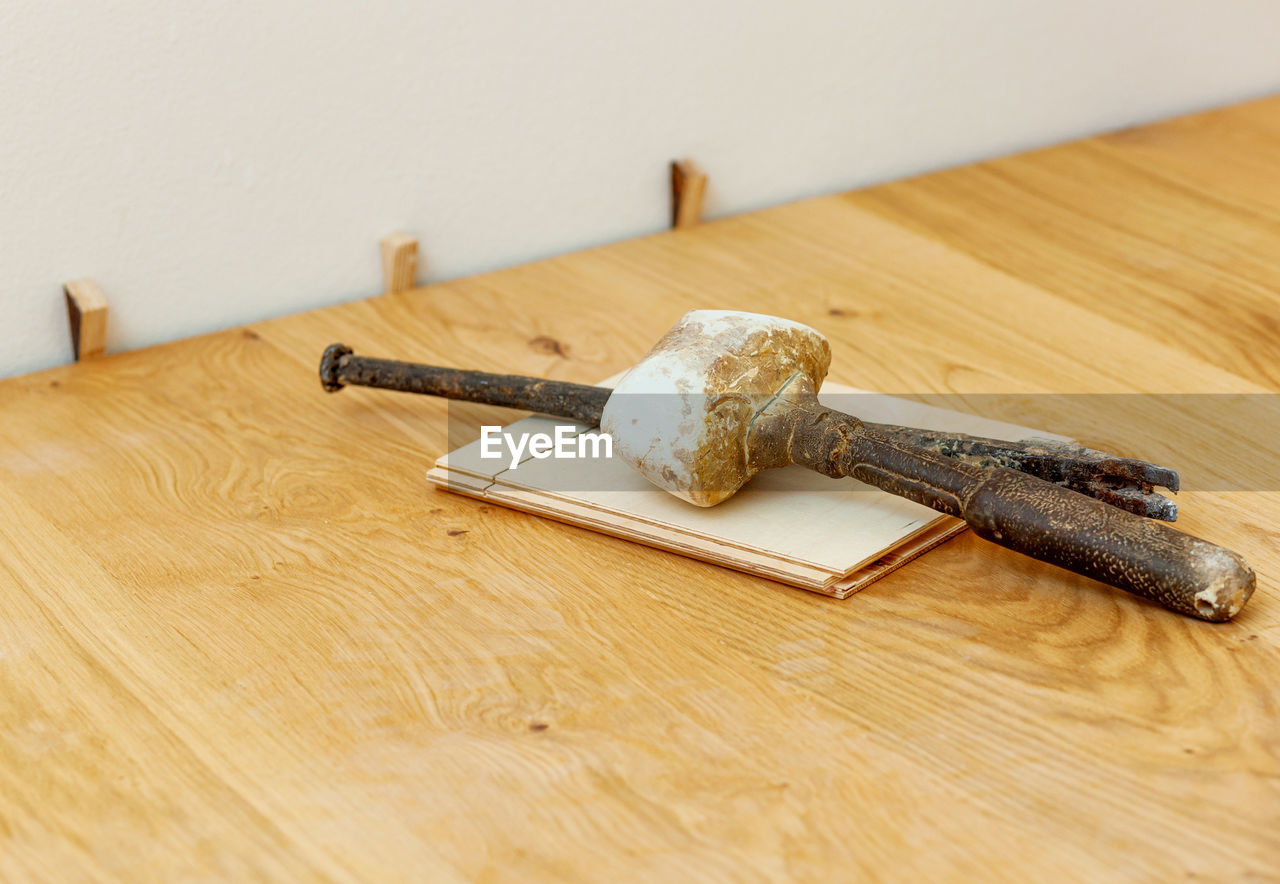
329 367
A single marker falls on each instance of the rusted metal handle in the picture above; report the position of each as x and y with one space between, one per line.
1034 517
581 403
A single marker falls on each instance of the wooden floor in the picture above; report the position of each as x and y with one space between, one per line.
240 636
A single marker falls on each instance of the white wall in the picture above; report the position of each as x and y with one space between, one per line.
212 164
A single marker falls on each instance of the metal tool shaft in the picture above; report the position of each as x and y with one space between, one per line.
577 402
1122 482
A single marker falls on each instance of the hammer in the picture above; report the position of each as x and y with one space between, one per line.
726 394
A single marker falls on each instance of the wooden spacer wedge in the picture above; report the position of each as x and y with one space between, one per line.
399 262
688 187
87 316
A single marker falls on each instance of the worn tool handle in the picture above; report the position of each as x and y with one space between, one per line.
1036 518
1084 535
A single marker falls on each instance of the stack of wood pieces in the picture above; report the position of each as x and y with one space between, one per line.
792 525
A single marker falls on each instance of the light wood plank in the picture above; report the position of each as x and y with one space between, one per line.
1171 231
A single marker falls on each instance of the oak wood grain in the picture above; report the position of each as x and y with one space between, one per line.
242 638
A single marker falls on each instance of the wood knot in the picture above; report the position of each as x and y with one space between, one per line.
456 532
549 346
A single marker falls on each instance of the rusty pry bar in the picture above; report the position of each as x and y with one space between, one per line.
1119 481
